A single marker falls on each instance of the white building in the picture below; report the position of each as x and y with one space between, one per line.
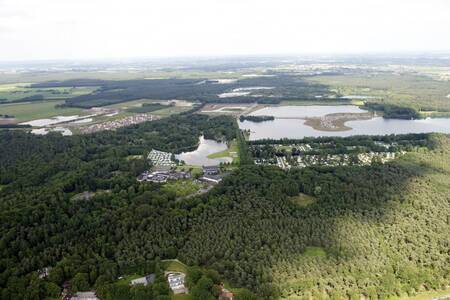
85 296
176 282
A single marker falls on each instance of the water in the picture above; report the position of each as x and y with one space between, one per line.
296 129
199 157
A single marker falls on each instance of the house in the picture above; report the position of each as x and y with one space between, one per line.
226 295
85 296
176 282
211 170
149 279
43 273
211 178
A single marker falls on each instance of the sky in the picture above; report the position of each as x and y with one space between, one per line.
103 29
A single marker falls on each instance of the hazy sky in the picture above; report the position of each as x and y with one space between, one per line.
72 29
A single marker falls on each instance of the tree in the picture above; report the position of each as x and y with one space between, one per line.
80 282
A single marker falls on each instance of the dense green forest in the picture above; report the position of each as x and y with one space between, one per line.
375 231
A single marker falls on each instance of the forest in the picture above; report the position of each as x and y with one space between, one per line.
256 119
374 231
203 90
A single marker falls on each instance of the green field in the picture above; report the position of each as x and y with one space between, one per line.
171 111
195 170
181 188
133 106
16 91
428 295
417 92
315 252
174 265
303 200
37 110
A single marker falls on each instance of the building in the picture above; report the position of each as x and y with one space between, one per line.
211 170
176 282
84 296
211 178
43 273
226 294
149 279
163 176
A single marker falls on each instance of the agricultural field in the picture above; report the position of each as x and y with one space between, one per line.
38 110
22 92
424 94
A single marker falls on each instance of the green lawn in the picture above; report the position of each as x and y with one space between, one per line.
180 297
37 110
315 251
195 170
171 111
303 200
174 265
424 295
181 188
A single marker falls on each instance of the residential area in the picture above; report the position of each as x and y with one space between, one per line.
305 155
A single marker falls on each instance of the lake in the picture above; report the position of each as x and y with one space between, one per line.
295 128
199 157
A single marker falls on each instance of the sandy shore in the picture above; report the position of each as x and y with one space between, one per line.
336 122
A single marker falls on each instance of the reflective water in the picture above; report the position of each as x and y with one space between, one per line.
199 157
295 128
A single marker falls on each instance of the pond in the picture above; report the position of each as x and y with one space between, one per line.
289 123
199 157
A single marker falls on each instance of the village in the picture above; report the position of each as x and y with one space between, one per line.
306 155
114 124
165 169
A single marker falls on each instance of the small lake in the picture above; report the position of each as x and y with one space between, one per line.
199 157
296 129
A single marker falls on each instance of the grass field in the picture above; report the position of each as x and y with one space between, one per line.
133 105
37 110
195 170
418 92
15 91
171 111
181 188
174 265
303 200
315 251
424 295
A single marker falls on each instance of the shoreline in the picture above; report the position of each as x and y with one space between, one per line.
336 121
